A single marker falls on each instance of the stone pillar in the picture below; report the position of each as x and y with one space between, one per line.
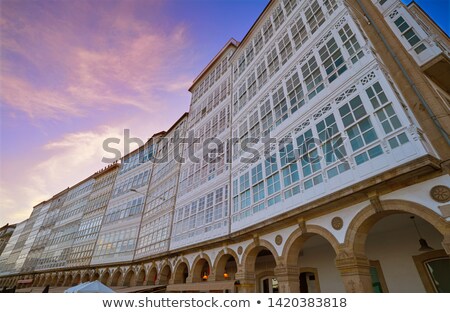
355 273
288 278
245 282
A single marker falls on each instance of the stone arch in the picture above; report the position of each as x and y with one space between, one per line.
36 281
86 277
296 240
221 261
116 277
105 277
165 274
252 250
181 271
54 280
359 227
61 280
130 278
68 280
48 280
95 276
77 279
140 279
152 275
201 264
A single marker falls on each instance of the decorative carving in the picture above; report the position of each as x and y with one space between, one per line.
440 193
240 250
256 239
302 225
337 223
375 201
278 240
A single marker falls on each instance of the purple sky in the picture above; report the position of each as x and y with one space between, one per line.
76 72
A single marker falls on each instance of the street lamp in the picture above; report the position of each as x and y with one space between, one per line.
423 243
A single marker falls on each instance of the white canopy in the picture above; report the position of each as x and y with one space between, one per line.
90 287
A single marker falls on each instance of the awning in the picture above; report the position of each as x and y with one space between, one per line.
203 286
25 281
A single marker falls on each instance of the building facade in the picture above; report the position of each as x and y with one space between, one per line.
314 158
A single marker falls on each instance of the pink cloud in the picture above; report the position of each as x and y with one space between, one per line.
132 65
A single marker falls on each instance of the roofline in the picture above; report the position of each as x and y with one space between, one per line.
256 21
428 16
177 122
230 42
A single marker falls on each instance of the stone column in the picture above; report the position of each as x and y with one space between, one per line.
288 278
355 273
245 281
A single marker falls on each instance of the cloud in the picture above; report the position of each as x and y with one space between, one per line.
59 164
52 68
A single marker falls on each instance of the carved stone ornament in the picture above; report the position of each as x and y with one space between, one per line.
337 223
240 250
440 193
278 240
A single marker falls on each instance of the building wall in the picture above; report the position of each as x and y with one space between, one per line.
355 154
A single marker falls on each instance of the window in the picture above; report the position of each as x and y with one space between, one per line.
309 158
314 16
409 34
245 199
334 150
258 192
378 282
242 95
257 174
285 47
261 72
289 5
361 134
295 92
241 64
244 182
273 184
398 140
313 78
251 82
273 62
336 170
266 118
267 30
299 33
258 42
332 59
249 53
327 128
287 154
271 165
254 125
279 106
243 131
376 95
331 5
352 111
388 119
351 43
290 174
278 16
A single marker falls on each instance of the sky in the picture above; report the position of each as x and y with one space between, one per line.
74 73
